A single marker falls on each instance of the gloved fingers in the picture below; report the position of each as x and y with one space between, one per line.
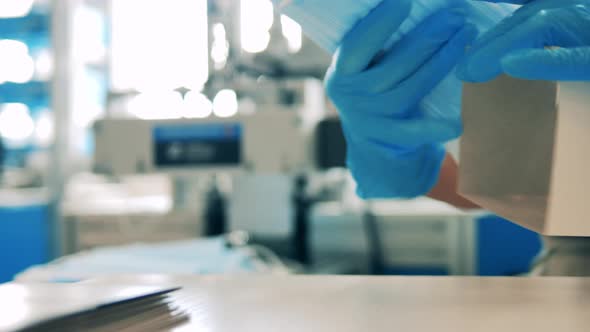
482 60
522 14
425 79
382 171
364 42
417 132
416 48
562 64
500 29
532 26
403 132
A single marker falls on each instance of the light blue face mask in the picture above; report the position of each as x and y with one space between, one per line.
200 256
327 22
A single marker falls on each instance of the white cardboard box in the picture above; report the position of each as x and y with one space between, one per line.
525 153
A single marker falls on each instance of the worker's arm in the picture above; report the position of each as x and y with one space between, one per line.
447 185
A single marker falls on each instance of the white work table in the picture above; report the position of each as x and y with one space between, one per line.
340 304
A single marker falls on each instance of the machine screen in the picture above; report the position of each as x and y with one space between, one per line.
195 145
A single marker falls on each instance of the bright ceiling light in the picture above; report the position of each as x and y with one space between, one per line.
220 46
165 48
256 18
15 8
157 105
225 104
44 65
44 129
16 124
293 33
16 65
87 35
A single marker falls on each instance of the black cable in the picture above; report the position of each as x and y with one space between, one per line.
376 257
302 210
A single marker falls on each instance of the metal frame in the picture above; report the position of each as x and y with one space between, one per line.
62 97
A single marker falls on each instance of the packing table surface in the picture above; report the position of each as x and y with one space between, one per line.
339 304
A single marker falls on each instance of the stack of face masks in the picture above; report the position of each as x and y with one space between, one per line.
201 256
327 22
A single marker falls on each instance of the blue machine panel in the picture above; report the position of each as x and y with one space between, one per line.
24 239
198 145
504 248
35 24
32 93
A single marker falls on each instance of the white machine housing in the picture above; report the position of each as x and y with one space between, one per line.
265 142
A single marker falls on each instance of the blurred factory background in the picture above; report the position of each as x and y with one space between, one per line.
194 136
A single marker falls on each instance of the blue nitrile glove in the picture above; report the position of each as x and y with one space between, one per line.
394 149
544 39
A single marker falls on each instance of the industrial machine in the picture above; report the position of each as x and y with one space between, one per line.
264 142
240 173
278 193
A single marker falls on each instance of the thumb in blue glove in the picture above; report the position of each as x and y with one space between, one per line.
544 39
394 149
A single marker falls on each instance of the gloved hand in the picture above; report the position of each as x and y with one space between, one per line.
544 39
394 150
